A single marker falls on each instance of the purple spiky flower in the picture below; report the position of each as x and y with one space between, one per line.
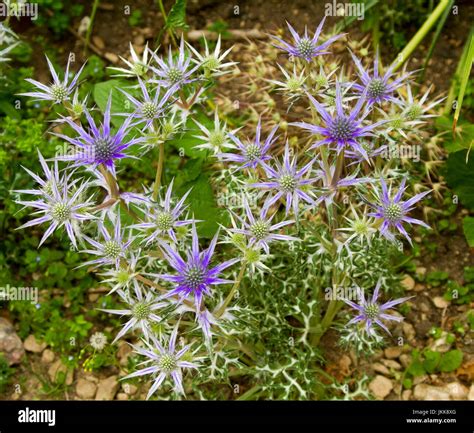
370 312
379 88
99 145
260 231
51 176
61 204
252 153
164 362
59 91
341 129
141 308
163 219
288 182
331 185
176 72
149 108
303 46
113 248
393 211
195 276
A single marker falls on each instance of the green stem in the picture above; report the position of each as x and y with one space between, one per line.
420 34
159 170
91 23
231 294
165 17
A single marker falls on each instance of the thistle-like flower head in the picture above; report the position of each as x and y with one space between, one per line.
163 362
212 62
59 91
141 310
252 153
372 313
260 230
216 138
288 182
175 72
195 276
137 67
304 46
392 211
60 202
98 144
149 108
112 250
163 219
341 129
378 88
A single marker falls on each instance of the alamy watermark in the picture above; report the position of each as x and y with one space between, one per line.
335 9
339 293
402 151
10 293
19 9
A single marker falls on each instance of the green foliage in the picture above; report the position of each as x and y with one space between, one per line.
468 228
460 177
57 14
461 294
429 362
6 373
394 18
135 18
177 17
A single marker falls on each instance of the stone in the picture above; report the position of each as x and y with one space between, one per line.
405 360
393 352
11 346
31 344
123 352
390 363
93 297
380 387
407 394
107 388
58 367
380 368
408 282
441 344
47 356
129 388
457 390
420 379
98 42
421 271
470 396
409 330
122 396
85 389
111 57
440 302
429 392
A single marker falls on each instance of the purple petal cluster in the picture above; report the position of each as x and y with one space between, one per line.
251 154
341 129
288 182
378 88
58 91
162 220
372 313
304 46
164 362
195 276
99 145
393 211
176 72
260 231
